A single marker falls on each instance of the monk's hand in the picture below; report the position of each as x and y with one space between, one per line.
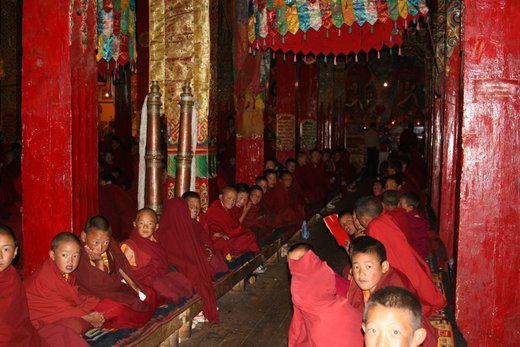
220 235
93 256
96 319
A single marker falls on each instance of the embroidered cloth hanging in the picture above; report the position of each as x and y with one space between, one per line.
330 26
116 42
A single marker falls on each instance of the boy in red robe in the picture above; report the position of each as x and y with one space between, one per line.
149 262
369 213
257 219
321 317
228 234
371 271
261 181
242 205
393 317
15 323
393 182
104 272
282 202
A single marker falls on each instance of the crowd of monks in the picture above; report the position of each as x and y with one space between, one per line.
126 263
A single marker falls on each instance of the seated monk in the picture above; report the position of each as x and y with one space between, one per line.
15 323
215 258
321 317
257 219
372 271
242 205
369 213
261 181
393 182
149 262
102 269
179 235
228 234
282 202
422 237
393 317
377 189
353 229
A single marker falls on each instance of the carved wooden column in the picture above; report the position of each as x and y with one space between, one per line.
184 154
154 156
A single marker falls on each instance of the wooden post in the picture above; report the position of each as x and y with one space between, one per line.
184 154
154 157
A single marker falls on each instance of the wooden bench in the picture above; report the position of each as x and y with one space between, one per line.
173 324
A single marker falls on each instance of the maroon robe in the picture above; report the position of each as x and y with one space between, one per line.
178 235
405 259
15 324
241 239
167 189
394 278
215 257
107 285
313 182
151 270
259 221
282 203
119 208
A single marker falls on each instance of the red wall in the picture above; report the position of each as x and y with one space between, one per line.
59 124
487 295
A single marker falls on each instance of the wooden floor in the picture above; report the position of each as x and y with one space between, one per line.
258 316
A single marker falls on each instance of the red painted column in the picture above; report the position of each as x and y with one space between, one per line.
436 159
59 122
487 294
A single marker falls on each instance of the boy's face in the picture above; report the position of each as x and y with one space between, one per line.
270 165
66 257
377 189
391 327
255 196
242 198
302 160
146 224
347 223
404 205
228 199
262 184
287 181
194 206
7 251
368 270
291 166
271 180
315 157
391 185
96 240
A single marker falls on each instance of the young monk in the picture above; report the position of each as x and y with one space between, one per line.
377 189
261 181
393 317
350 225
215 258
369 213
257 219
282 202
393 182
421 237
320 318
228 234
242 205
149 262
15 323
102 269
372 271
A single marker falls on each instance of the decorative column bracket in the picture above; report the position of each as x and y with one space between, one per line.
154 156
184 153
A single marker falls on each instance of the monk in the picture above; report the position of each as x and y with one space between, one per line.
377 189
15 323
149 262
215 258
321 317
228 234
290 165
422 238
371 271
179 235
281 200
257 219
242 205
393 182
392 317
350 225
261 181
102 269
369 214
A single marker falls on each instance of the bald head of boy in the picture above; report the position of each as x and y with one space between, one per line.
8 247
65 252
228 197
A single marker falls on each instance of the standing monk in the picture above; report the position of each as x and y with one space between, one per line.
228 234
401 255
102 269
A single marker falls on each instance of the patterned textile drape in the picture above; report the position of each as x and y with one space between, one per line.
330 26
116 39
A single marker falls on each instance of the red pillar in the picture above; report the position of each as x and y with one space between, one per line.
59 122
487 294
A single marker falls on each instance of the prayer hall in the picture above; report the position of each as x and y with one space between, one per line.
302 173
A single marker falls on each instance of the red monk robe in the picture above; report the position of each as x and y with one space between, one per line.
119 208
405 259
215 257
177 234
313 182
395 278
321 318
107 285
259 221
151 269
15 325
241 239
282 203
168 187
